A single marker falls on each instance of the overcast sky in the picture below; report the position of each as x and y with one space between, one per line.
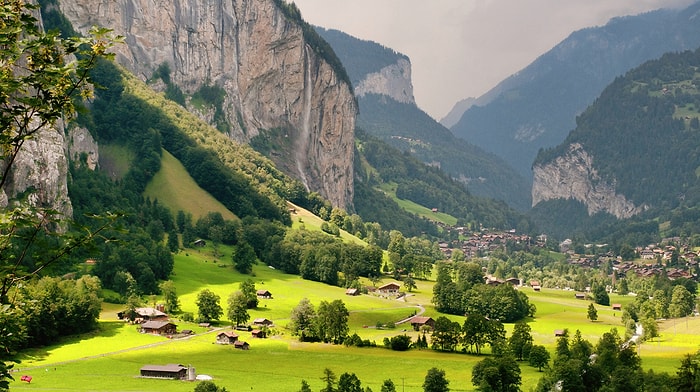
463 48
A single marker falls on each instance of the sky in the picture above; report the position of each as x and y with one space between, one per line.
463 48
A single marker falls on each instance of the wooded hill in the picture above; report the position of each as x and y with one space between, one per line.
644 136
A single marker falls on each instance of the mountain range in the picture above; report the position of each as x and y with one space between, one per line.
537 107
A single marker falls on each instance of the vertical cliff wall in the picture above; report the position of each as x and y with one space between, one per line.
271 76
572 176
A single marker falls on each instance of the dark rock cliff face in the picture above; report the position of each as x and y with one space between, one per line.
271 77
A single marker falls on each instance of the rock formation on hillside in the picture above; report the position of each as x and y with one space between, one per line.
573 176
393 80
271 76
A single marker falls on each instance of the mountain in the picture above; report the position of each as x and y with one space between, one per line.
249 68
382 83
635 152
536 107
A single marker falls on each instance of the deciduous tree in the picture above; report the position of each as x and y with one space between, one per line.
208 305
435 381
237 308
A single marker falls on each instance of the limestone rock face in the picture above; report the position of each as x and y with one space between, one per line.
271 76
41 171
393 80
80 141
573 176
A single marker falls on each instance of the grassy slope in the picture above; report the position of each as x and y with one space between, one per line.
280 363
390 190
175 189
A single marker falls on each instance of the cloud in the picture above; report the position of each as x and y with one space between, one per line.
463 48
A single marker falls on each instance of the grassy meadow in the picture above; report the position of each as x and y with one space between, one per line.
110 359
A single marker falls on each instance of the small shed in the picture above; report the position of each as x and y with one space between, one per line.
226 337
389 288
419 321
617 306
170 371
262 322
559 332
258 333
159 327
536 288
352 292
264 294
241 345
200 243
580 296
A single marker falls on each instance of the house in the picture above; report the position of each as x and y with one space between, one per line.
200 243
513 281
226 337
262 322
390 288
419 321
159 327
264 294
580 296
536 288
258 333
143 314
534 283
352 292
241 345
170 371
617 306
559 332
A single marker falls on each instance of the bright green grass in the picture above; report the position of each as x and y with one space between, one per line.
390 190
175 189
280 363
306 219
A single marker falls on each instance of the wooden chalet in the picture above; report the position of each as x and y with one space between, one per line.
170 371
226 337
258 333
559 332
390 288
159 327
580 296
352 292
264 294
417 322
262 322
241 345
616 306
140 315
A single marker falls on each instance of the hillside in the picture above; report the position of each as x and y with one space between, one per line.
387 110
536 107
638 145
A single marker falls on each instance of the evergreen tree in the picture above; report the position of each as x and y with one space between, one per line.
592 313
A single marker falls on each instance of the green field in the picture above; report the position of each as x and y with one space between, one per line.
175 189
109 360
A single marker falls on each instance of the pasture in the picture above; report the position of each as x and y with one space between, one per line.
110 359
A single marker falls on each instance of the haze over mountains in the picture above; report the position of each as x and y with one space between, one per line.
536 108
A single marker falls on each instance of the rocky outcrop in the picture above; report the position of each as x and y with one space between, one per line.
271 76
393 80
572 176
40 173
80 142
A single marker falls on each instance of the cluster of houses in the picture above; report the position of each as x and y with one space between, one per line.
655 260
481 243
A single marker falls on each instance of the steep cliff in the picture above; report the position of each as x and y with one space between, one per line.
393 80
41 171
572 176
255 53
